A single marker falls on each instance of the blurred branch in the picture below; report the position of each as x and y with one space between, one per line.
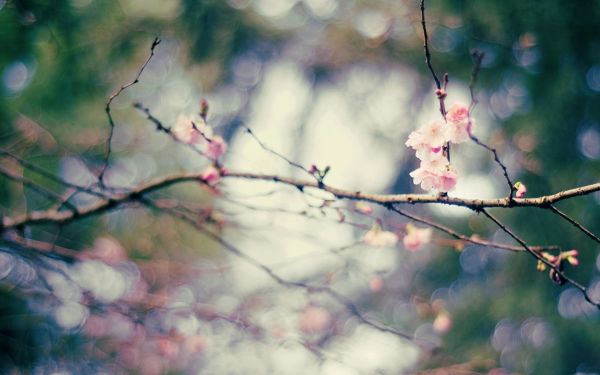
42 172
107 109
343 300
38 188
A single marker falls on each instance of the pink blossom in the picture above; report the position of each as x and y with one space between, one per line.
427 140
184 131
167 348
211 175
459 132
448 180
418 142
434 133
314 319
380 238
521 189
435 173
216 148
457 114
415 237
442 323
195 344
376 283
428 179
364 208
108 250
190 130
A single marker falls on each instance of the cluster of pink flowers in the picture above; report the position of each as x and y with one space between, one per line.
414 240
570 256
435 171
195 131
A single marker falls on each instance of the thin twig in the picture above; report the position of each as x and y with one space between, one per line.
477 59
48 194
161 128
574 223
343 300
279 155
426 47
107 109
561 275
465 238
511 185
42 172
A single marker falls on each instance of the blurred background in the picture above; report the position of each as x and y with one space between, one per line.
325 82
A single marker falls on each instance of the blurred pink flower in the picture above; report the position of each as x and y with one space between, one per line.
364 208
457 114
442 322
314 319
195 344
216 148
167 348
184 130
211 175
107 250
415 237
459 132
380 238
376 283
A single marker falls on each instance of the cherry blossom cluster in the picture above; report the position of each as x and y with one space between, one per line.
414 239
435 171
195 131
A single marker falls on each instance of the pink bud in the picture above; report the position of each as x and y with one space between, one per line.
216 148
521 189
211 175
364 208
376 284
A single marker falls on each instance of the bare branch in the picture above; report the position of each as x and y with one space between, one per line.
279 155
561 275
52 216
161 128
107 109
426 47
477 59
470 239
574 223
